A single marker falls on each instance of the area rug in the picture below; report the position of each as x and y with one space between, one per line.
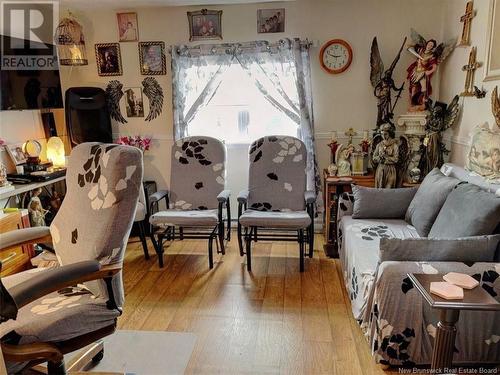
146 352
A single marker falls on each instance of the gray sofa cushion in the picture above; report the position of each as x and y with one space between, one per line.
430 197
468 211
370 203
467 249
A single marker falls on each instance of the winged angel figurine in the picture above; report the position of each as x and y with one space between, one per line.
429 55
383 85
441 118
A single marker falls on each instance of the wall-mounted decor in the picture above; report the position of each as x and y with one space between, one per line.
484 153
492 68
383 84
154 93
71 42
128 27
470 69
114 94
466 19
108 59
152 58
205 25
335 56
271 20
495 105
428 57
133 102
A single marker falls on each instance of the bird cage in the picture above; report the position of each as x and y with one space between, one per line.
71 42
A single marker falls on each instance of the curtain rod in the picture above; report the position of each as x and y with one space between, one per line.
241 45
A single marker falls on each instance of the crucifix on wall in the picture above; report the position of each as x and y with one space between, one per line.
466 19
470 69
350 133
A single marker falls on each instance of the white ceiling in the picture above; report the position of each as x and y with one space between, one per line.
148 3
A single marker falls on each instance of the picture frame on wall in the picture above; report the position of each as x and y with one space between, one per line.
134 103
205 25
108 59
128 27
271 21
152 58
492 65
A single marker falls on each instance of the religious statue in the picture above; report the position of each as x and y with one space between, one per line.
383 85
440 118
495 105
387 158
429 55
36 210
334 145
342 160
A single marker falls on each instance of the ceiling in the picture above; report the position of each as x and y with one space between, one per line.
148 3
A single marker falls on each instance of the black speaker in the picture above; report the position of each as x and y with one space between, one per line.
49 124
87 117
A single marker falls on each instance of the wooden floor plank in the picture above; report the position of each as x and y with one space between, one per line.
274 320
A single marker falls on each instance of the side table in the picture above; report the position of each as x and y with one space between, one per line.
476 299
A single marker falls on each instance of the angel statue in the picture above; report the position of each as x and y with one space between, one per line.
429 55
495 105
390 158
383 84
440 118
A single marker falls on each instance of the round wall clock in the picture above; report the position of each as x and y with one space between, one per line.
336 56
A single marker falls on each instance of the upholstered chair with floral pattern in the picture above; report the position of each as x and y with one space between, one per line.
276 201
46 313
196 199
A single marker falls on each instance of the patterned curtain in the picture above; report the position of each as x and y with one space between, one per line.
281 71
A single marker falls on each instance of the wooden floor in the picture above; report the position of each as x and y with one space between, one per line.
273 320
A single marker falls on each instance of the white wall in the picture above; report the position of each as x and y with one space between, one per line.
474 111
340 101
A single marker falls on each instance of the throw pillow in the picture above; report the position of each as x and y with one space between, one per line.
370 203
430 197
468 211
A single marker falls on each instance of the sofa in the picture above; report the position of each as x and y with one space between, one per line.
450 223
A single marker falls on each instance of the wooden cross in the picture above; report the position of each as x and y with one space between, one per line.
470 68
466 19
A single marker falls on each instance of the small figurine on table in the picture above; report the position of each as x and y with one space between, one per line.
342 159
36 210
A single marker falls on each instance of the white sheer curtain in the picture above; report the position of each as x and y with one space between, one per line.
281 71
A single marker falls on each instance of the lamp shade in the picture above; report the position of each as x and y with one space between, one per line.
55 152
71 42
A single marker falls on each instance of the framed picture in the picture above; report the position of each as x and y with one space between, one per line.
16 153
205 25
108 59
271 20
152 58
492 66
133 102
128 28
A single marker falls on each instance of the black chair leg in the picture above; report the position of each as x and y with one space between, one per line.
240 239
159 249
311 240
301 247
56 368
221 231
210 253
142 236
248 243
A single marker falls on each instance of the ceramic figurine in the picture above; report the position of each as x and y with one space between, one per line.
342 159
332 169
35 209
429 55
415 175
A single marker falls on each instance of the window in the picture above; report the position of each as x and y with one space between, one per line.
239 113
